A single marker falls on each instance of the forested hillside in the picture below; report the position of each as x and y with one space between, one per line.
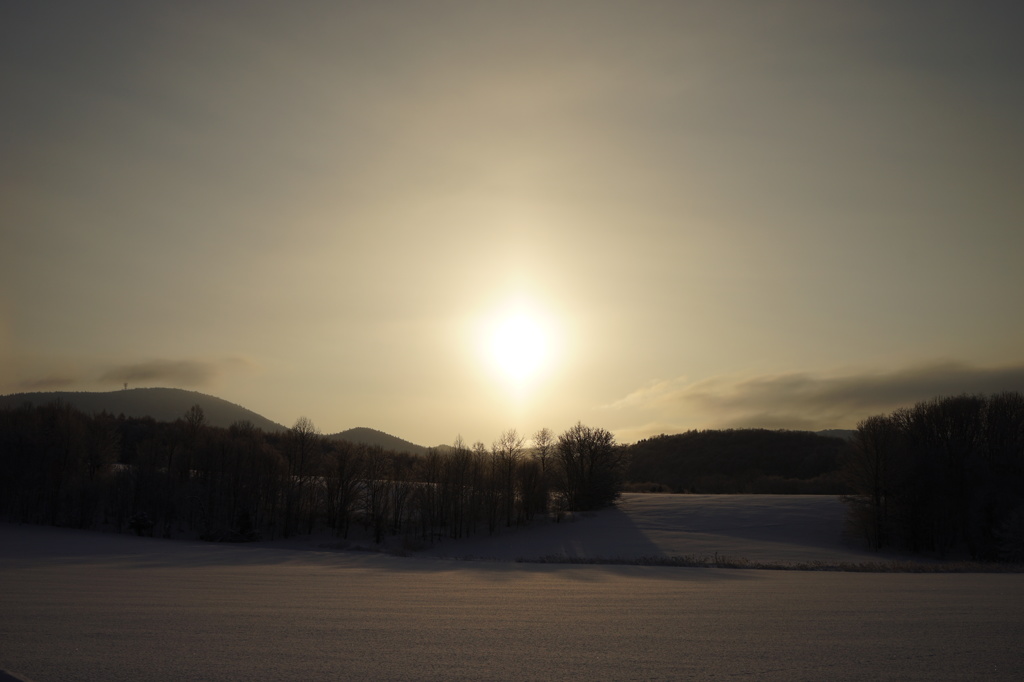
739 461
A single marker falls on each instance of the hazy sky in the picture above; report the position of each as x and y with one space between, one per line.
766 214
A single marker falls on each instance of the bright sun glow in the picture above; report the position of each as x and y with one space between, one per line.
518 345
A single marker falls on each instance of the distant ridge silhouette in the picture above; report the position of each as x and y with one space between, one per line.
845 434
170 404
162 404
367 436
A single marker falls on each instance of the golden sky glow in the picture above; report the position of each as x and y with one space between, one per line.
709 213
519 344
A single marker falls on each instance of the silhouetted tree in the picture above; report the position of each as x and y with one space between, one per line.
343 472
460 472
304 447
376 492
878 443
533 491
507 452
591 467
432 495
943 474
543 453
58 465
257 474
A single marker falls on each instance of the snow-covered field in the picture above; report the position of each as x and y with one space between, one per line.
766 528
89 606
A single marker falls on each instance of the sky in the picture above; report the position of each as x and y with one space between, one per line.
443 219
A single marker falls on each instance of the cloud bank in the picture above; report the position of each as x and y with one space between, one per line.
55 375
801 400
185 372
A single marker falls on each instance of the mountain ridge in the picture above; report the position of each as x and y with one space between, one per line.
368 436
162 404
170 404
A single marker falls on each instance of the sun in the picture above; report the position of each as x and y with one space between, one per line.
518 345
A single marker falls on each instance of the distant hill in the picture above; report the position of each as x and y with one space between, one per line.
845 434
373 437
741 461
162 404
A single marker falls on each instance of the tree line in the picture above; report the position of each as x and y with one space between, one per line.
739 461
944 475
60 466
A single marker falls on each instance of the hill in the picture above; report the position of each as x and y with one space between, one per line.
374 437
162 404
170 404
741 461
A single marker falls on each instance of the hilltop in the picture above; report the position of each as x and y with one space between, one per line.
169 404
162 404
367 436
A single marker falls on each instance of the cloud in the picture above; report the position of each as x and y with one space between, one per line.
56 374
801 400
182 372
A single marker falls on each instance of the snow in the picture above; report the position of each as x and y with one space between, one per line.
765 528
90 606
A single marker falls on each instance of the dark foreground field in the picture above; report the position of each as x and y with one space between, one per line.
87 606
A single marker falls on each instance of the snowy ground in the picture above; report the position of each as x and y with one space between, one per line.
766 528
88 606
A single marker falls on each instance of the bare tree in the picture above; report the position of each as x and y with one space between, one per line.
508 451
459 474
487 486
543 453
303 451
591 467
342 485
376 491
544 447
195 420
870 470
